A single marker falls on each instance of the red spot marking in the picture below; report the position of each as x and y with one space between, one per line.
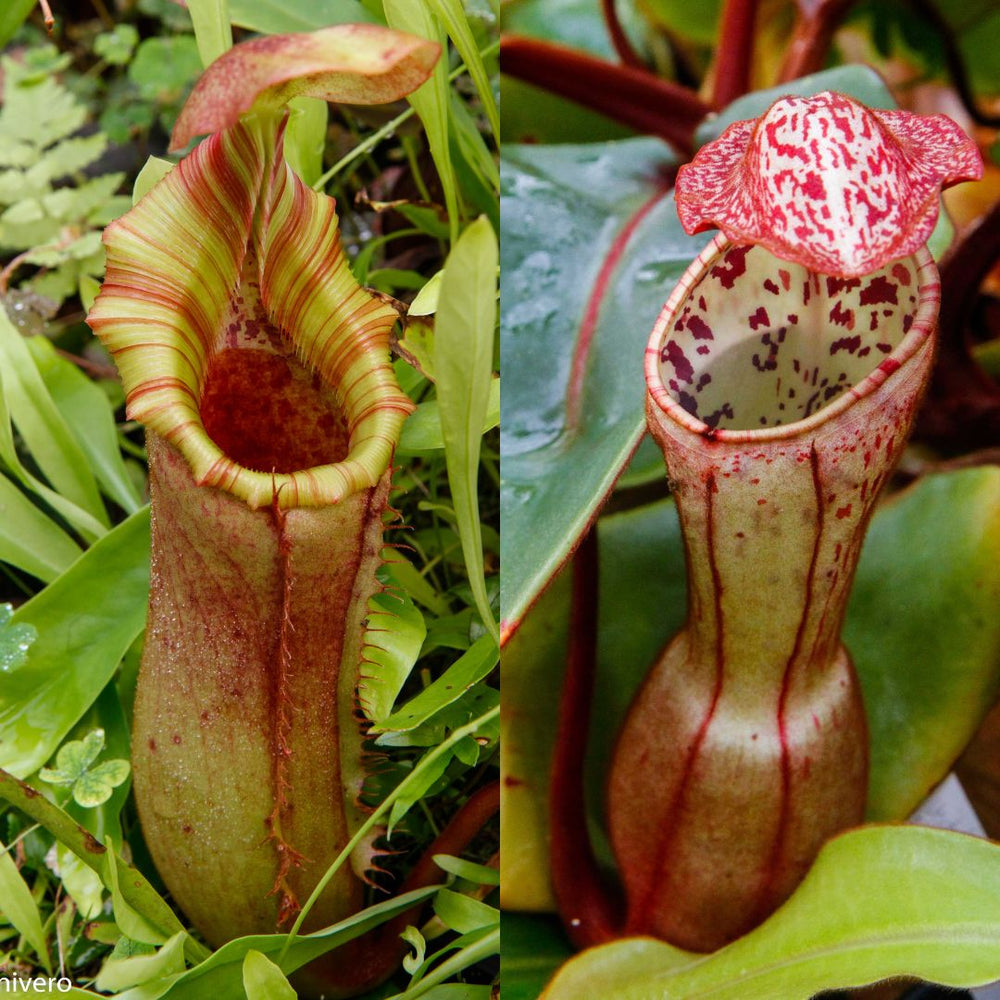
187 828
175 739
733 265
813 187
889 365
843 317
739 534
770 286
843 512
754 481
759 318
674 353
511 782
907 323
901 274
588 325
786 279
151 743
879 289
699 329
204 715
761 502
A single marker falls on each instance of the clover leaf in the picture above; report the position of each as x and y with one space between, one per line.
90 786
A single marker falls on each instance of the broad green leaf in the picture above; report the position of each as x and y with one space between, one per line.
15 640
18 906
430 100
12 16
463 359
923 631
470 668
41 425
163 68
533 949
117 45
263 980
574 326
85 409
29 539
463 913
212 30
422 431
119 974
82 883
86 620
396 631
879 903
425 302
921 628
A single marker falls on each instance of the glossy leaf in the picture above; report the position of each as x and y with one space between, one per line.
263 980
18 907
29 539
574 326
463 360
880 902
275 17
920 627
86 620
119 974
422 431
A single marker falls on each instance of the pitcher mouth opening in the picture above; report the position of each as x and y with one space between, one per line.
751 347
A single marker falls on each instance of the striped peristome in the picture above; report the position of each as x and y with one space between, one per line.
174 268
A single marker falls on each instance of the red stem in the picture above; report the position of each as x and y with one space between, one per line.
963 402
366 963
732 65
811 40
619 39
628 95
589 912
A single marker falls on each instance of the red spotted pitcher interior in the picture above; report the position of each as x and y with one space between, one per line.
760 342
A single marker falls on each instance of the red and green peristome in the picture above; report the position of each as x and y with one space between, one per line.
783 377
261 371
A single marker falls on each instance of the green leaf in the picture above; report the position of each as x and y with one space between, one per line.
533 949
275 17
19 907
82 883
396 631
15 640
86 620
922 630
41 425
133 922
423 432
431 100
305 137
117 45
879 903
95 786
12 16
84 408
452 14
212 30
469 669
463 358
153 171
221 976
463 913
29 539
119 974
263 980
469 870
163 68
